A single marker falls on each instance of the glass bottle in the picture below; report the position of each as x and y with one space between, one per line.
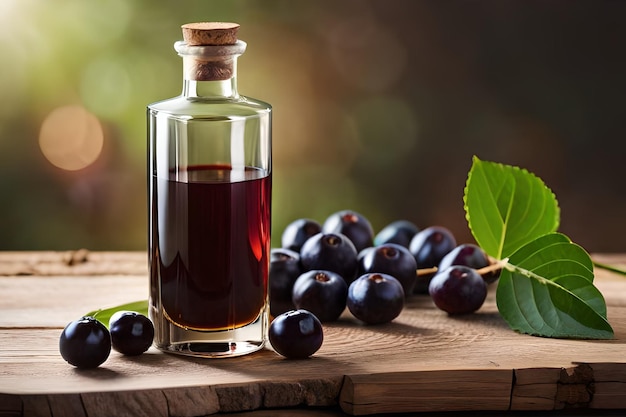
210 204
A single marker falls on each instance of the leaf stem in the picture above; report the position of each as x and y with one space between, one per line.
495 265
609 268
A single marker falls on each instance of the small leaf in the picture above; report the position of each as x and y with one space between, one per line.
103 315
507 207
547 290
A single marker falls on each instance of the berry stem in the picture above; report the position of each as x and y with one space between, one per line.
426 271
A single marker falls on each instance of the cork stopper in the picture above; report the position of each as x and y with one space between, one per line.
210 33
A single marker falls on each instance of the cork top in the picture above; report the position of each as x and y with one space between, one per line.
210 33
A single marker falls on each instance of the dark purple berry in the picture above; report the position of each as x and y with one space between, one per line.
85 343
394 260
458 290
399 232
323 293
375 298
353 225
472 256
296 334
330 252
284 271
428 247
131 333
298 232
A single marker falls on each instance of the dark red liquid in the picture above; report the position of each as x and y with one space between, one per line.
210 245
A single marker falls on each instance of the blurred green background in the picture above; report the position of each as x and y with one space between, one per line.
378 107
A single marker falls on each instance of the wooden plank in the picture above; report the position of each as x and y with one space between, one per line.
69 405
79 262
321 412
136 403
534 388
609 385
36 406
424 361
458 390
10 405
191 401
52 302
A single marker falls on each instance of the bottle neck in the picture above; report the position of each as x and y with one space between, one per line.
211 89
210 72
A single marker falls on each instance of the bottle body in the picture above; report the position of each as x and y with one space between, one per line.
210 184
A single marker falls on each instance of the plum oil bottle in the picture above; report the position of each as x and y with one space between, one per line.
210 182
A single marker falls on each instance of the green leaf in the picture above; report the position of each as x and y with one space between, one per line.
103 315
546 289
507 207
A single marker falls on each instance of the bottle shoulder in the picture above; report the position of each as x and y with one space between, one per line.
195 106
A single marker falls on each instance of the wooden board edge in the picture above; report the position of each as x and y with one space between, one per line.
182 401
609 385
583 385
427 391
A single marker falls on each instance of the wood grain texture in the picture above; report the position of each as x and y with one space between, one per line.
423 361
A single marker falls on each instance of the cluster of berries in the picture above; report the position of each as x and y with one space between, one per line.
320 269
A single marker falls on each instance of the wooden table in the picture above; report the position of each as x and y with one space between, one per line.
424 361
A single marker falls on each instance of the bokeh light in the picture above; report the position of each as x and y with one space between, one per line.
71 138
